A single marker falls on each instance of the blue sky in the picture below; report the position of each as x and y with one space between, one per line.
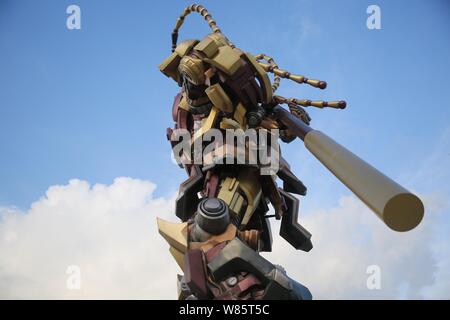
91 104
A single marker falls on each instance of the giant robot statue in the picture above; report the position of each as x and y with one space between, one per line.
223 205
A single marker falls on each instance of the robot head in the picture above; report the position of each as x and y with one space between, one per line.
192 77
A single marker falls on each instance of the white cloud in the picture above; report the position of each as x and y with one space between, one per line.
110 233
349 238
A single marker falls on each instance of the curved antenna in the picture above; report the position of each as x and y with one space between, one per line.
273 65
188 10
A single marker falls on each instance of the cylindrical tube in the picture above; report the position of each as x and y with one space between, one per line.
397 207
